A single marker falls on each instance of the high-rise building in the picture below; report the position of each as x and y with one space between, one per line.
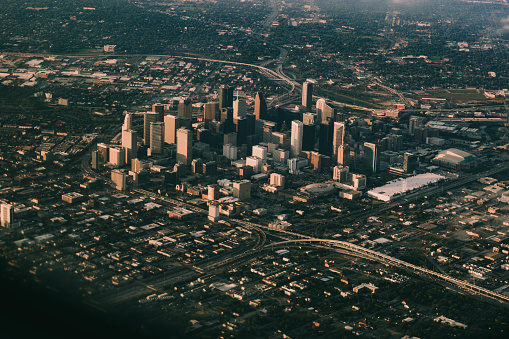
277 180
171 125
325 138
242 129
210 112
156 137
307 95
117 156
185 108
130 144
159 109
242 189
120 179
308 137
7 215
148 118
127 122
413 122
239 109
371 159
324 111
338 137
225 97
343 155
410 162
255 163
310 118
280 156
104 151
340 173
184 146
260 152
212 192
296 138
96 160
260 106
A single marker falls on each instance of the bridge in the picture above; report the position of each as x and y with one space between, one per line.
361 252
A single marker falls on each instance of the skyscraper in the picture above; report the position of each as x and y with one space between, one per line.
308 137
260 106
184 146
130 144
325 138
185 108
239 109
171 125
343 155
413 122
156 137
148 117
296 138
210 110
225 97
371 160
159 109
307 95
324 111
338 137
6 215
127 122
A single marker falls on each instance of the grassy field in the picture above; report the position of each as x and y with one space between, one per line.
457 94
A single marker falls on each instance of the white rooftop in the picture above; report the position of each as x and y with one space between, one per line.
399 186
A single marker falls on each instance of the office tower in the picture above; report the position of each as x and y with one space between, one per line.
104 151
197 166
6 215
324 111
280 156
171 125
212 192
260 106
159 109
277 180
230 151
260 152
268 128
117 156
308 137
340 173
96 160
310 118
185 108
156 137
338 137
214 212
325 138
230 138
242 189
180 169
148 118
210 112
396 142
119 179
410 162
371 160
281 139
184 146
210 168
343 155
242 130
255 163
130 144
225 97
251 119
307 95
239 109
127 122
227 120
413 122
216 126
296 138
